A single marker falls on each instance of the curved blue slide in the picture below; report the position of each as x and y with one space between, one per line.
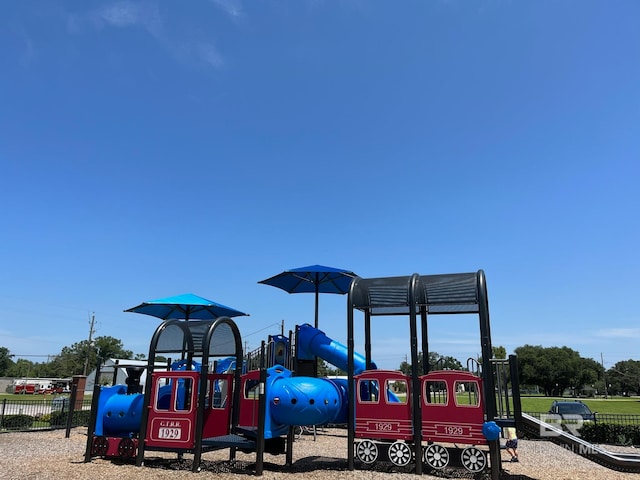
307 400
314 343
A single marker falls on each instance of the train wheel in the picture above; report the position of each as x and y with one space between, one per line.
367 451
400 454
99 446
436 456
126 448
473 459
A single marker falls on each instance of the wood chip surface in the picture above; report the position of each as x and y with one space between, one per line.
49 455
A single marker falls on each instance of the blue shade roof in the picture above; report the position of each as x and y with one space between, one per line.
186 306
311 279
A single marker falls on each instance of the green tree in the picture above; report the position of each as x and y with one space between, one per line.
6 361
71 360
22 368
589 372
326 370
110 347
624 378
405 366
436 362
554 369
499 352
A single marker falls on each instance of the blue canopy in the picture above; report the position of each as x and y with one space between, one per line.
187 306
313 279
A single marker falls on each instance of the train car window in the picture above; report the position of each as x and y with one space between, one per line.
209 394
436 392
368 391
163 394
467 394
396 391
220 389
183 395
251 389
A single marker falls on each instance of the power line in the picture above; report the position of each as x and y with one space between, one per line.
27 355
262 329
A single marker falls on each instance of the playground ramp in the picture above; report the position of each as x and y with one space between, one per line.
622 462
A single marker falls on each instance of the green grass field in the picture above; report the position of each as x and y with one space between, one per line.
615 405
32 398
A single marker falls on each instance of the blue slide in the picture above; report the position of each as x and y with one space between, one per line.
314 343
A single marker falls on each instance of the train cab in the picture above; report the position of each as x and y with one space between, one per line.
383 417
453 413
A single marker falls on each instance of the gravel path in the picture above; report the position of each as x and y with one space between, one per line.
48 455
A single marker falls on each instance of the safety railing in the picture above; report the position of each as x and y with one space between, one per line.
42 414
611 418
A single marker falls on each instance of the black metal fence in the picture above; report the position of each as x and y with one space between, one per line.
42 414
610 418
618 418
53 413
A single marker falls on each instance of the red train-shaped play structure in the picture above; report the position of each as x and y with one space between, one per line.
213 397
452 414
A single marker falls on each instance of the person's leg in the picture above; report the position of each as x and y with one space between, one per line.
514 455
511 450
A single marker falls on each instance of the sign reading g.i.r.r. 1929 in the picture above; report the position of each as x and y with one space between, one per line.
170 429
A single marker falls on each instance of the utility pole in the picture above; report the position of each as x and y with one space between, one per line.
604 376
282 328
91 331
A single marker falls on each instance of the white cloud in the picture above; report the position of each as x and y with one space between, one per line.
121 14
209 54
146 16
620 333
230 7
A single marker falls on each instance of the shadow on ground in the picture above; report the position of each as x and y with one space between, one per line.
317 463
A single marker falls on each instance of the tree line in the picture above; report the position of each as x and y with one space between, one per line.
77 359
556 370
551 370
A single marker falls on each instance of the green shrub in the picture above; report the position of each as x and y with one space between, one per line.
80 419
17 422
611 434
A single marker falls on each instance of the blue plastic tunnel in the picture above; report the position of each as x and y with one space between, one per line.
300 401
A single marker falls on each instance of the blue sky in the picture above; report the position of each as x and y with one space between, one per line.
155 148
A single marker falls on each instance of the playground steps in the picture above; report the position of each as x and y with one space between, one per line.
230 441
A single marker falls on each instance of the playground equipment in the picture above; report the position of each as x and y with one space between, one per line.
213 397
431 426
193 410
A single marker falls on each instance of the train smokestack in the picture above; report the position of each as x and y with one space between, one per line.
133 380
